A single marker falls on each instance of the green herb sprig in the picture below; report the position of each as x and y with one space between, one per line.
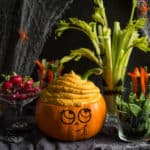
137 113
133 104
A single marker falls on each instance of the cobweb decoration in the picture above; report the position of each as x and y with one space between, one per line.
24 26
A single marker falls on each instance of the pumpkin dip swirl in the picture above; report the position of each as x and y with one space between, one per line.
70 90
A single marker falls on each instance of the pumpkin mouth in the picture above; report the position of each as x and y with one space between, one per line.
82 131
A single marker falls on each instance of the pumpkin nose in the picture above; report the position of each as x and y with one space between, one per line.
76 123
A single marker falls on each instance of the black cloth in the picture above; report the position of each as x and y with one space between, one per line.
102 141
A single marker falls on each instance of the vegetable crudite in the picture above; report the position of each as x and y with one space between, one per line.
112 47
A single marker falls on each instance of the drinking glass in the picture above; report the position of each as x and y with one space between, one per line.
133 128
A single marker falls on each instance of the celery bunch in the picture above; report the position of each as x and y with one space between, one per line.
114 45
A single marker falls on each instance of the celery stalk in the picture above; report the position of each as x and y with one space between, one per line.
115 38
107 73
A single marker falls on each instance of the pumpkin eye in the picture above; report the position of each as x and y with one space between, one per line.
84 115
67 116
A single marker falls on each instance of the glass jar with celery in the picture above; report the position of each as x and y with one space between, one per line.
112 47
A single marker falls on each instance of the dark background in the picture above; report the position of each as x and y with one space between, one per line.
116 10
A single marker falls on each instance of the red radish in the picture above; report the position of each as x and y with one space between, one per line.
27 86
18 95
16 80
37 89
30 82
31 94
7 85
21 85
22 96
12 97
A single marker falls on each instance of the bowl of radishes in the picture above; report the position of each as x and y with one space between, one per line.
16 91
16 88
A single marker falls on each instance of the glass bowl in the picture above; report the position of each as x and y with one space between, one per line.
14 124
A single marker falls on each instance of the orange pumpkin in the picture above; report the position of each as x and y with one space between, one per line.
70 109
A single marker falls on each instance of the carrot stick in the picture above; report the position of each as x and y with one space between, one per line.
134 82
50 76
41 73
40 65
144 79
134 75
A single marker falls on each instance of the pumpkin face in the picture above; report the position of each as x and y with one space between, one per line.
68 111
71 123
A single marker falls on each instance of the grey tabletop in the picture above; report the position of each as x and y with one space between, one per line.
34 139
107 139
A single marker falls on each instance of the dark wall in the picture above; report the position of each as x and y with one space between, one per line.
116 10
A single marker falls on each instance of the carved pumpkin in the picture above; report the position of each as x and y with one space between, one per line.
70 109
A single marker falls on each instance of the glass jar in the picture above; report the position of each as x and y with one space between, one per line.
133 128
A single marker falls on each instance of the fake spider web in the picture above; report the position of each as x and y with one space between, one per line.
24 26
